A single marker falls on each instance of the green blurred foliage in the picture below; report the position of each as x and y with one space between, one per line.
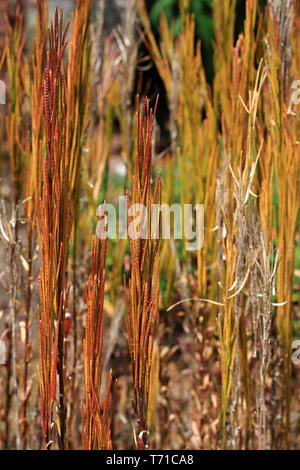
201 8
204 23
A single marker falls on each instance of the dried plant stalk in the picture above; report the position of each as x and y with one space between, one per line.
234 239
32 190
142 293
18 78
283 150
78 98
16 133
55 219
96 416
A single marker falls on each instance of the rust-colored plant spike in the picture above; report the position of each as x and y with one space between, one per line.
78 97
54 229
96 413
142 293
33 167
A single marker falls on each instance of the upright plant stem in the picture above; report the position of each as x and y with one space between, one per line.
142 294
13 303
